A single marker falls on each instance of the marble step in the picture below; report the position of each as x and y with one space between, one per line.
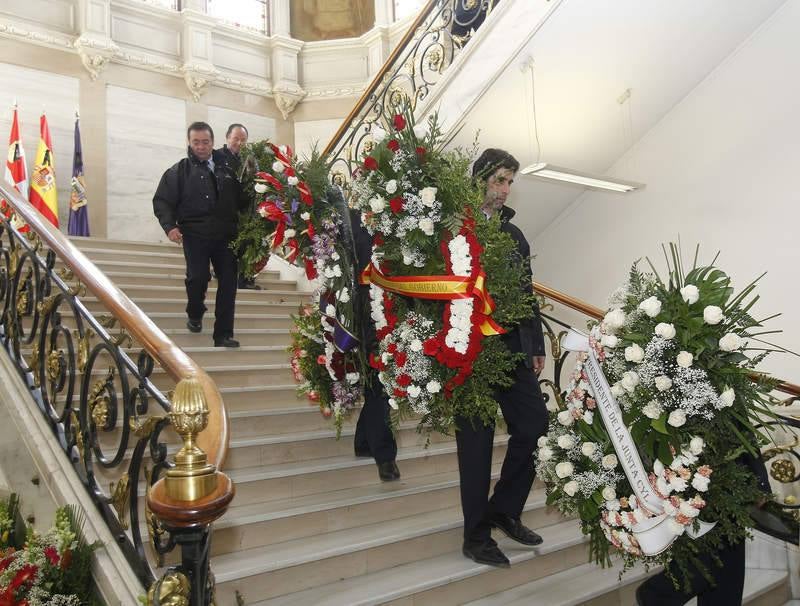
248 526
591 585
316 561
246 336
122 245
177 320
176 279
168 254
150 306
445 579
275 396
144 291
267 422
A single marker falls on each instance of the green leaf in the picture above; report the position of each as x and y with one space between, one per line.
660 424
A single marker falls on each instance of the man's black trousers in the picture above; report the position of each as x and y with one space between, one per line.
373 433
199 252
525 415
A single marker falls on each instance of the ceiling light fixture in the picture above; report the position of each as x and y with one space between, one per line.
550 172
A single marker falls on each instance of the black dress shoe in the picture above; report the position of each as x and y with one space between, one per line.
249 285
194 325
388 471
226 342
486 553
514 529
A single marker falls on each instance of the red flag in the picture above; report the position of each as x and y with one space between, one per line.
16 170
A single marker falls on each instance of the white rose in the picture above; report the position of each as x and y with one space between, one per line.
566 442
652 410
609 341
684 359
414 391
426 226
330 310
614 319
564 469
391 186
689 510
377 204
663 382
665 331
343 295
428 196
712 315
676 418
727 397
420 131
260 188
305 216
415 345
289 233
542 441
730 342
634 353
690 294
677 483
570 488
565 418
292 180
629 381
700 482
277 166
378 134
337 271
588 448
545 453
588 417
393 403
651 306
696 445
617 390
609 494
613 505
433 387
609 461
658 467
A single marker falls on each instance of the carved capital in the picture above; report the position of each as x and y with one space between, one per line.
95 53
197 78
287 99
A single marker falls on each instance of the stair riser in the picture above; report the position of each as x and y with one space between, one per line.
274 399
122 246
235 378
190 339
123 266
340 479
243 295
177 306
321 572
176 279
273 425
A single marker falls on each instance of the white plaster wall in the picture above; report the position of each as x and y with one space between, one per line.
259 127
146 135
57 95
311 132
720 170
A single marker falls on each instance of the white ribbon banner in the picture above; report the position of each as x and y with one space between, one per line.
653 534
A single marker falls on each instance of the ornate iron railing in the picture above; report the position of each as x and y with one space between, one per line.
418 62
95 384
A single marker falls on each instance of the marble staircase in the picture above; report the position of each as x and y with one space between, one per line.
311 523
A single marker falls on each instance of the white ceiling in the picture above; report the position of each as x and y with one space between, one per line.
586 55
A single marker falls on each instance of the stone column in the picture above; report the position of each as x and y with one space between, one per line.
384 12
197 50
94 43
286 88
280 18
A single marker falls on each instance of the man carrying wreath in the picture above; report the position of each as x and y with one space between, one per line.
521 403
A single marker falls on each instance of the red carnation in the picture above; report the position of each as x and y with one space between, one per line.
52 555
399 122
311 271
403 380
396 204
421 152
375 362
377 239
400 358
289 171
393 145
321 360
370 163
400 393
392 349
430 347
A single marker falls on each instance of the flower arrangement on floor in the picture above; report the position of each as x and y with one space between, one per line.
301 218
441 286
661 404
51 569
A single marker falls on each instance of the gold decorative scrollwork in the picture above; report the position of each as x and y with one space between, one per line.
368 146
66 274
544 305
35 364
397 96
107 321
555 342
556 394
22 301
13 260
143 428
783 470
83 348
99 411
120 497
55 363
154 528
172 589
79 290
121 338
435 59
470 4
78 433
34 238
790 500
338 179
46 305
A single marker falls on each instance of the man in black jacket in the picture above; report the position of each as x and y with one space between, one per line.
522 404
197 204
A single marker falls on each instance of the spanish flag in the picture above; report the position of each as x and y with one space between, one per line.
43 193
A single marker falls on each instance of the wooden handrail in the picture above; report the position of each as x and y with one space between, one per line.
378 79
215 439
598 314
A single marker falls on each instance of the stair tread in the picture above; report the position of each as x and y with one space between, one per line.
249 474
425 574
377 491
141 300
295 552
268 277
304 436
211 288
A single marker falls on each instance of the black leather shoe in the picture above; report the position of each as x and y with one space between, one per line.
249 285
514 529
486 553
226 342
388 472
194 325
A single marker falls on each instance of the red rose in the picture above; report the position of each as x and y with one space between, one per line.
399 393
375 362
392 349
377 239
404 380
421 152
52 555
399 122
393 145
400 358
370 163
289 171
396 204
430 347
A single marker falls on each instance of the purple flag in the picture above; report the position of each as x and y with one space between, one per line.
78 213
